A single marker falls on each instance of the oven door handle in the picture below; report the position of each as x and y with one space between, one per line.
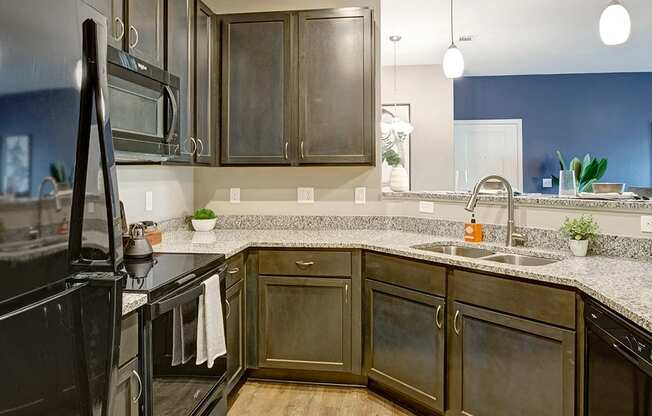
161 307
175 113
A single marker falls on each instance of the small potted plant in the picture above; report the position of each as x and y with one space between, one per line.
398 177
203 219
579 232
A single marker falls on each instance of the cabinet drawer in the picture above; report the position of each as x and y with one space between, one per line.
304 263
128 338
235 270
409 274
529 300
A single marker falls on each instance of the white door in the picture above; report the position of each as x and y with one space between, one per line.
488 147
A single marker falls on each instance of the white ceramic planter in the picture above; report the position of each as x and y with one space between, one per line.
203 225
579 247
399 180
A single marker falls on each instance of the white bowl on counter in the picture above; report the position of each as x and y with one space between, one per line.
203 225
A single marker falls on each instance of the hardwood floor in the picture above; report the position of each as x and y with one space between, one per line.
257 398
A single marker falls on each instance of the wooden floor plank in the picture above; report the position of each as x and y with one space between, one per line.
282 399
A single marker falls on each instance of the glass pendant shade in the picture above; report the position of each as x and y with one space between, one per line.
615 24
453 62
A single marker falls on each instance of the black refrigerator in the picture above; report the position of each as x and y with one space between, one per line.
60 243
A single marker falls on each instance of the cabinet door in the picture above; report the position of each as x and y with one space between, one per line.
146 30
406 342
304 323
336 114
256 85
113 10
206 80
180 63
235 332
508 366
128 390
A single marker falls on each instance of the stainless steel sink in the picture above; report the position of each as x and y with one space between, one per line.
520 260
453 250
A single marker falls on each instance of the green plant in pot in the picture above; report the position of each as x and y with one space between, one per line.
203 219
587 171
579 232
398 177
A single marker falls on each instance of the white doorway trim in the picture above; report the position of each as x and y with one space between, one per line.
519 144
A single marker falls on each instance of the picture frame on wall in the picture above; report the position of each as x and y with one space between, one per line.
16 157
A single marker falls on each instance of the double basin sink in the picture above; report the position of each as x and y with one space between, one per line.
484 254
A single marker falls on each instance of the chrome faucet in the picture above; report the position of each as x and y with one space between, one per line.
38 233
512 236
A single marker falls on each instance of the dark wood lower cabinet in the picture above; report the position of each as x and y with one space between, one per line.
304 323
235 334
128 391
405 343
504 365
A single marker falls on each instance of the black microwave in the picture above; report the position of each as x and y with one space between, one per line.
144 103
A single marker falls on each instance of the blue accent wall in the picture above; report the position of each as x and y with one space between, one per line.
607 115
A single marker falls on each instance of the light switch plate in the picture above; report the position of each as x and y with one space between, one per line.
149 201
361 195
306 195
234 195
547 182
646 224
427 207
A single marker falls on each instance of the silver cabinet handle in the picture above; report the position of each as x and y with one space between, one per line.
346 293
437 319
200 147
286 150
133 29
194 149
228 308
455 327
302 154
234 270
301 263
140 386
118 21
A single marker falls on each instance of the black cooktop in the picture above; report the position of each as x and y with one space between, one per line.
153 275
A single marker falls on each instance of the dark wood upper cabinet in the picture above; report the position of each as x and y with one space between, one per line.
504 365
145 30
405 342
206 76
335 69
256 85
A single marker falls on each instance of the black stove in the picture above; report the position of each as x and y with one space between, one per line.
165 272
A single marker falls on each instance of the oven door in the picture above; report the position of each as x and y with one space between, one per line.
617 384
183 388
144 116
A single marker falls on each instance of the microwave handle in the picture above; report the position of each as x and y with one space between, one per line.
175 113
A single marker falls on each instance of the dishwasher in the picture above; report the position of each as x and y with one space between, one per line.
618 365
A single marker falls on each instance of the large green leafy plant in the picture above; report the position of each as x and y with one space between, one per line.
587 171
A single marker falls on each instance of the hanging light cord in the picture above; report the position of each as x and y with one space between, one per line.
452 39
395 74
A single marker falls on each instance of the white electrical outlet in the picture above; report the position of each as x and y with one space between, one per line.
646 224
547 182
361 195
149 201
305 195
427 207
234 195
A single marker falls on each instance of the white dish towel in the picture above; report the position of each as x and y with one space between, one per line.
211 341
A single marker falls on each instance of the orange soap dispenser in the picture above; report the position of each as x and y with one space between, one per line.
473 231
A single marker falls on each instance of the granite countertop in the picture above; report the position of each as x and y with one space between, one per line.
132 301
622 284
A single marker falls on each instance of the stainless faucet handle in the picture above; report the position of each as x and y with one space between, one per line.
518 239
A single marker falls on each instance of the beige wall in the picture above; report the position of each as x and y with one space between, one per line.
430 95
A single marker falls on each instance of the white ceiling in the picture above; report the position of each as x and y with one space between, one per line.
516 36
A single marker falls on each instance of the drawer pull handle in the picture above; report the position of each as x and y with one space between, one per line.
286 151
346 293
301 263
455 327
228 308
437 318
234 270
134 373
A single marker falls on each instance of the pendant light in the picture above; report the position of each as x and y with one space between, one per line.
615 24
453 63
397 126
